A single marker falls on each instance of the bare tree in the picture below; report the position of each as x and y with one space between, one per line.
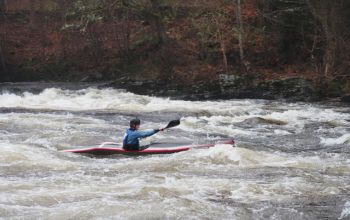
3 36
157 23
32 17
240 29
325 12
221 39
120 12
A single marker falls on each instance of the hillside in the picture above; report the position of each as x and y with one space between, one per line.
268 45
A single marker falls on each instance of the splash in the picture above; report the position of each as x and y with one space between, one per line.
346 211
344 139
277 165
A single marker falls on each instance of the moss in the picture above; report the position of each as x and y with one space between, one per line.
346 87
29 71
49 5
18 16
144 41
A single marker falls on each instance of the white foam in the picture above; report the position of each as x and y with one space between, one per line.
22 157
299 116
281 132
216 125
346 211
344 139
210 116
227 155
112 99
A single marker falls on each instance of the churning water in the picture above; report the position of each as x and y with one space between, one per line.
291 160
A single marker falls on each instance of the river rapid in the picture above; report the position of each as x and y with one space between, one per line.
291 160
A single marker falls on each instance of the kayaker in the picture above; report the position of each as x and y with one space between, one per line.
132 135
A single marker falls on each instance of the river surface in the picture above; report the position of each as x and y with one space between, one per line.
291 160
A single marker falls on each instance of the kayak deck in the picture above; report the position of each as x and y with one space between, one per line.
110 148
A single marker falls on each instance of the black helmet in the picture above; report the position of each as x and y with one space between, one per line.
134 122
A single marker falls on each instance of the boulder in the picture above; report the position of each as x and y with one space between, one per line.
346 98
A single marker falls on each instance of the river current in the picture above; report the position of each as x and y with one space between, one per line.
291 160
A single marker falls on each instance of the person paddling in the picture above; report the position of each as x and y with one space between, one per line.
132 135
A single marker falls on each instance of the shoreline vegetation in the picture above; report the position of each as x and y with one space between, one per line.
208 49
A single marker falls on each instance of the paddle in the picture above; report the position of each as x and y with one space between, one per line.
172 123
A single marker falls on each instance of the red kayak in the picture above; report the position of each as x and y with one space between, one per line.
110 148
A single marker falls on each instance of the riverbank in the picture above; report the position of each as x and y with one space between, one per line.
224 87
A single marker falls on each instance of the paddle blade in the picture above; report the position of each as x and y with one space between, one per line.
173 124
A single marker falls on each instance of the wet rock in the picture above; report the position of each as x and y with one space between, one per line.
36 88
225 87
346 98
92 76
260 120
294 89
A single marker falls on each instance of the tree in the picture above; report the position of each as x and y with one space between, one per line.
240 29
308 30
327 13
3 35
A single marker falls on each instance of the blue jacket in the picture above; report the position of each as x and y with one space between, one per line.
131 137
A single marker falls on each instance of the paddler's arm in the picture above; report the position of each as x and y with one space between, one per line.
144 134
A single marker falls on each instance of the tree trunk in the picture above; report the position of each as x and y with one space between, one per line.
240 30
3 36
2 58
222 44
64 6
126 33
325 14
95 43
4 6
32 18
157 23
223 50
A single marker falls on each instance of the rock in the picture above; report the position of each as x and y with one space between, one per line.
226 87
85 79
92 76
346 98
259 120
294 89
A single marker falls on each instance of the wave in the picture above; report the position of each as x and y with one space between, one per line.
344 139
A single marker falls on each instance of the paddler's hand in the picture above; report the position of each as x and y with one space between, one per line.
160 129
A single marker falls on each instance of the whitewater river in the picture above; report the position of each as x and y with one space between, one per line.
291 160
